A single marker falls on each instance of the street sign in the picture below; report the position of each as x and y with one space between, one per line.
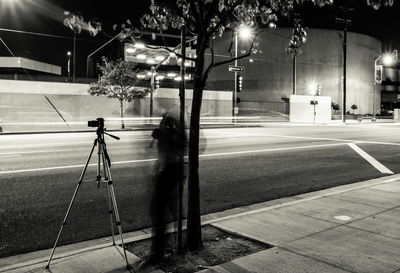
233 68
378 73
314 102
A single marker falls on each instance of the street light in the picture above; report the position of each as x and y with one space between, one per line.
69 65
386 59
245 32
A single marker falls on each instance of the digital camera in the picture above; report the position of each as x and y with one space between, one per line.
96 123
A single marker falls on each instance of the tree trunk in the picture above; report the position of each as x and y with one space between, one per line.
194 239
121 103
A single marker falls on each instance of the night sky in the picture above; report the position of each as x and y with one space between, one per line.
46 16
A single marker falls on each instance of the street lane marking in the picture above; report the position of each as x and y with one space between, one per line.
379 166
330 139
9 155
154 159
275 149
74 166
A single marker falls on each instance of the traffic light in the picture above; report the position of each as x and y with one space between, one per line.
318 90
237 100
156 83
239 83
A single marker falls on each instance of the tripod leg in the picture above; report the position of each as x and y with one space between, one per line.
110 208
114 202
116 213
70 204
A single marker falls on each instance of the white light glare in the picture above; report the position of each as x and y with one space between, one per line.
245 32
130 50
171 75
140 76
387 59
151 61
312 88
159 57
161 77
141 56
272 24
179 78
139 45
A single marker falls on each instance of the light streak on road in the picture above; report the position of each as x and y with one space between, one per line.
154 159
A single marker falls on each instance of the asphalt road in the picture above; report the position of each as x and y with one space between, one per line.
238 166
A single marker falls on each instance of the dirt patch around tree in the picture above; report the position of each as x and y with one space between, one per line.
218 247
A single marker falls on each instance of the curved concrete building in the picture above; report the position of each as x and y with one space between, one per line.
268 75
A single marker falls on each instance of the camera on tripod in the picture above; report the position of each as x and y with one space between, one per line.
96 123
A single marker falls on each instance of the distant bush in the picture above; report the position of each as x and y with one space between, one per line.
354 107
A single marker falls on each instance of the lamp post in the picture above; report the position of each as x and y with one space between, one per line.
69 65
385 60
235 90
244 32
91 54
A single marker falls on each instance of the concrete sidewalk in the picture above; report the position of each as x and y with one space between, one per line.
350 228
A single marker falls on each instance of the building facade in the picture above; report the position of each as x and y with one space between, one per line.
268 74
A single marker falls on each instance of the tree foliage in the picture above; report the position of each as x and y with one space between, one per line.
118 79
76 23
376 4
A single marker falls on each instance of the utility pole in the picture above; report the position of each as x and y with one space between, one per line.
294 74
344 69
182 88
74 59
345 22
69 65
235 90
152 81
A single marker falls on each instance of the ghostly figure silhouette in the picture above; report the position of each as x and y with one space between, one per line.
170 143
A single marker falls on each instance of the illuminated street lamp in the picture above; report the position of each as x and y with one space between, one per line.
387 59
245 32
384 60
69 65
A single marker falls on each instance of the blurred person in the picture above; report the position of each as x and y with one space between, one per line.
170 144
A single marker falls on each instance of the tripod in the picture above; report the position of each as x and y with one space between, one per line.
104 160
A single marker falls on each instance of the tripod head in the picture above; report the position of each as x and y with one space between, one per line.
99 123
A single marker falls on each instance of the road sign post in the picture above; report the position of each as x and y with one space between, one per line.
236 68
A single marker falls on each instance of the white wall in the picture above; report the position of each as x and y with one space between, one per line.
301 109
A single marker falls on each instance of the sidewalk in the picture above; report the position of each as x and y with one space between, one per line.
350 228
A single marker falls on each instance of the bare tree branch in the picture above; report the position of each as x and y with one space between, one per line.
239 57
211 65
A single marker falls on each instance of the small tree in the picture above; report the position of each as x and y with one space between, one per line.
335 107
354 107
118 80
